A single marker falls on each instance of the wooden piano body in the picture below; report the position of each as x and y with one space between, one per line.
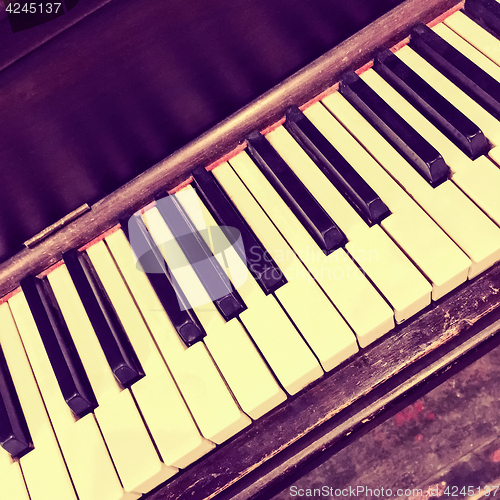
345 402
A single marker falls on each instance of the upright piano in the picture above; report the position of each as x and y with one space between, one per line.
235 236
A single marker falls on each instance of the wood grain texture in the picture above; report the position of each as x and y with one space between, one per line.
344 400
269 108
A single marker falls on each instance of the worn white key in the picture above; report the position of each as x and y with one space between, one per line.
467 49
120 422
475 35
470 108
359 303
276 329
12 483
236 357
479 179
43 467
434 253
242 366
265 321
385 264
83 448
454 212
206 395
166 414
319 322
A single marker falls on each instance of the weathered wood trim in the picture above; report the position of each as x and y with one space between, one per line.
298 89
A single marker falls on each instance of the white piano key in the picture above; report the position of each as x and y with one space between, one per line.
236 357
466 48
206 395
385 264
166 414
12 483
43 467
479 179
486 122
319 322
120 422
83 448
435 254
124 432
359 303
475 35
242 366
265 321
461 219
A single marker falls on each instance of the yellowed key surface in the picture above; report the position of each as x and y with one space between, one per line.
319 322
360 304
468 50
479 179
446 204
470 108
245 371
168 418
377 255
83 448
475 35
43 468
434 253
120 422
12 483
267 336
212 406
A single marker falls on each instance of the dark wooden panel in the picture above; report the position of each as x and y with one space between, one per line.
15 46
210 146
132 82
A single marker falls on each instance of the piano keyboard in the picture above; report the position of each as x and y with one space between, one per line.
350 218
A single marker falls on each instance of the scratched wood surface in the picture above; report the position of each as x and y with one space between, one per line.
448 438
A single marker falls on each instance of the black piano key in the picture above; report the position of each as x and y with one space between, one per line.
213 278
340 173
265 271
113 339
418 152
14 434
61 351
315 220
485 13
169 294
459 69
438 110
